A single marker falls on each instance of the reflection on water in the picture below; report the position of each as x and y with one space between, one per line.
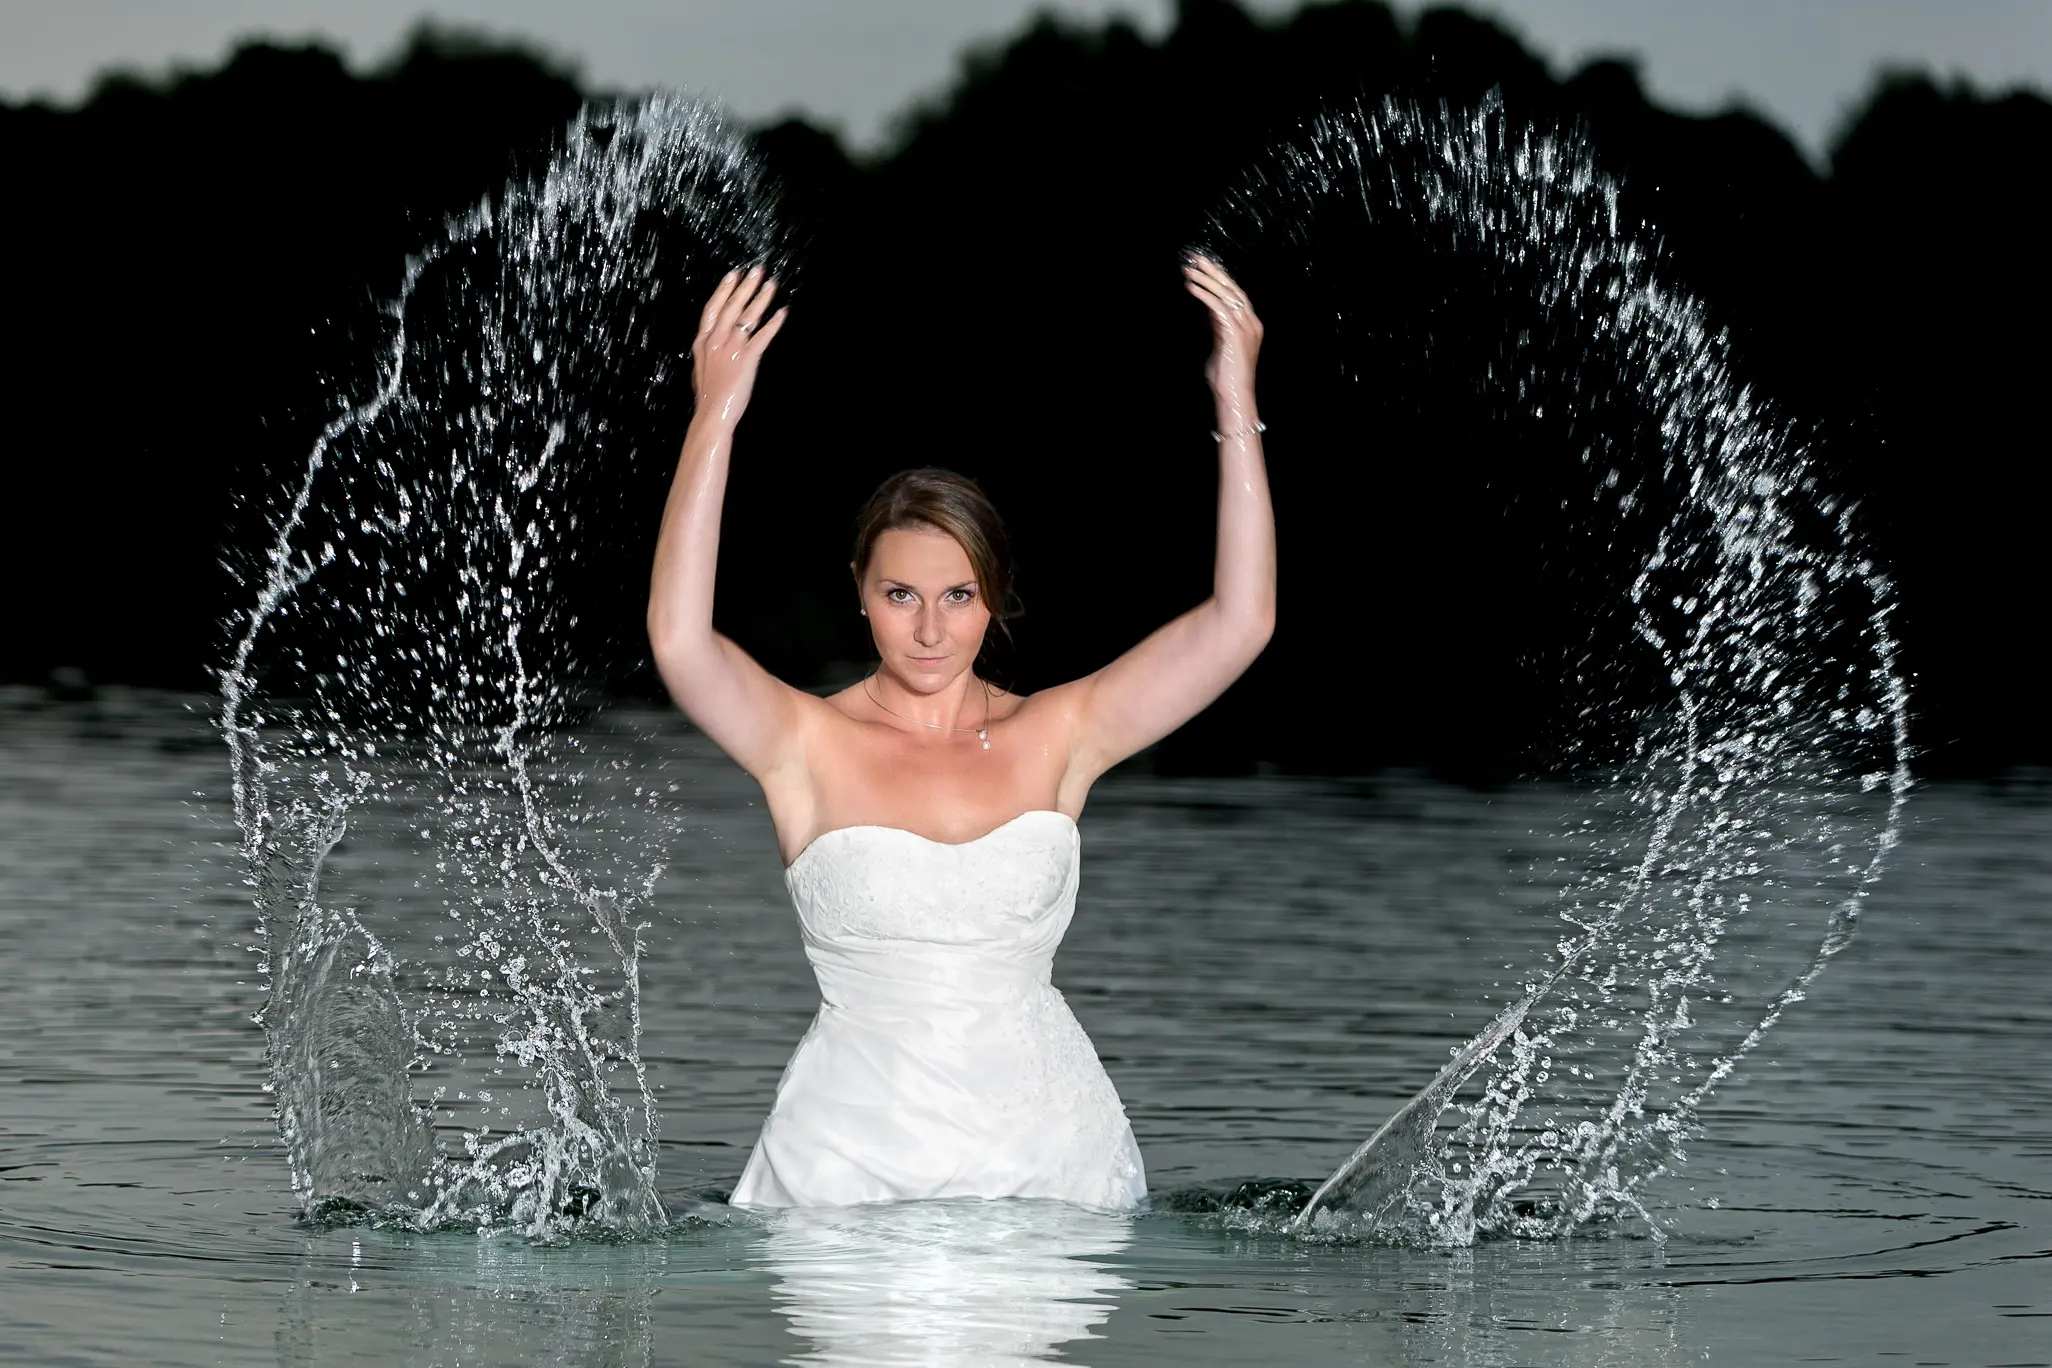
1010 1282
473 1301
590 1327
1473 1314
943 1282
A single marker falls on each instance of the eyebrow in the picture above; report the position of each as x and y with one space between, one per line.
901 584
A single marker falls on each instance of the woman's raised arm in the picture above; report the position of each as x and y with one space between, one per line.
745 710
1176 673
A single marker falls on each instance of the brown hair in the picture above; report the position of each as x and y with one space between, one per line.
950 503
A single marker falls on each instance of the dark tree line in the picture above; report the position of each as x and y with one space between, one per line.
998 294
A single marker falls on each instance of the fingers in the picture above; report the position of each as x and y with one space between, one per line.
730 300
1204 266
731 339
710 314
769 330
1200 269
1221 317
1235 331
751 314
1205 290
738 300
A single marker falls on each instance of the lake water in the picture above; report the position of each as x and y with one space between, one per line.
1268 967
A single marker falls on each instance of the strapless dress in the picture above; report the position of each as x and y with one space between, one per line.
942 1062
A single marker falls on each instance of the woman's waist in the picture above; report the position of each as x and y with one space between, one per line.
968 1045
921 976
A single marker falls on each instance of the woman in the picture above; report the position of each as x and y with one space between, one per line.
927 818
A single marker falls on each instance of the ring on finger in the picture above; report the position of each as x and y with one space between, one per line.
746 327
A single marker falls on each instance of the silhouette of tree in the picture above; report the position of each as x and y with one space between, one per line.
997 293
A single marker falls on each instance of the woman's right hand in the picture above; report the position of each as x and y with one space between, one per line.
731 340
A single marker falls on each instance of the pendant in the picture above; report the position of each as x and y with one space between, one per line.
983 735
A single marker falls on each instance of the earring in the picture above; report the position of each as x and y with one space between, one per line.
863 611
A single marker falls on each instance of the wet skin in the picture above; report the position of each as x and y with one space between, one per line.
902 749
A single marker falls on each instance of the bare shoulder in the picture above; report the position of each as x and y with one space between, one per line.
845 705
1051 718
815 723
1052 707
830 724
829 710
819 740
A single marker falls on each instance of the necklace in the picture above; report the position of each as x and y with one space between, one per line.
982 732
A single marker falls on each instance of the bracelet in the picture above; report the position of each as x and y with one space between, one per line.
1257 426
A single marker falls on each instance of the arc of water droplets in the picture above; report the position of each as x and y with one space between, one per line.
416 557
1746 597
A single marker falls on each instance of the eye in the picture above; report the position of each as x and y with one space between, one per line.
960 595
898 595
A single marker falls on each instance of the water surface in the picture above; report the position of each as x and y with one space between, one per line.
1268 967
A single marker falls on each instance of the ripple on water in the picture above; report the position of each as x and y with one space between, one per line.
1880 1180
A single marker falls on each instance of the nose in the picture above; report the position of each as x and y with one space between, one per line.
926 629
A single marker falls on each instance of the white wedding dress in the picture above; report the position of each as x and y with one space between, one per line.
942 1063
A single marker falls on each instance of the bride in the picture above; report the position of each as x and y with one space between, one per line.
927 817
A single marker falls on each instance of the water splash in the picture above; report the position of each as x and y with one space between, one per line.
1739 697
450 882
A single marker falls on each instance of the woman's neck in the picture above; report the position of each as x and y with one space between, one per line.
961 705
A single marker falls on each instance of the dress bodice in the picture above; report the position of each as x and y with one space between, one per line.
890 916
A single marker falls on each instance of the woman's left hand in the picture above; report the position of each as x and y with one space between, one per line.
1235 338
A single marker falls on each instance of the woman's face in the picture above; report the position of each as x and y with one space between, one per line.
925 610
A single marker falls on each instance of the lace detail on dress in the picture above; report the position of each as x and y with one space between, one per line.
1020 878
1064 1088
